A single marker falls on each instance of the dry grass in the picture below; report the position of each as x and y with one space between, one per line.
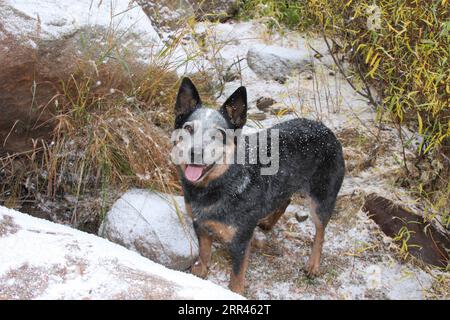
111 132
361 149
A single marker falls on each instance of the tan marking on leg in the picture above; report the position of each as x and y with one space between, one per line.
221 231
200 267
269 221
237 280
312 268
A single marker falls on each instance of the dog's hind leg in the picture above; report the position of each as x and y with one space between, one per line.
269 221
312 268
324 188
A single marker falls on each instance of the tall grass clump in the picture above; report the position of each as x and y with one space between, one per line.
293 14
111 132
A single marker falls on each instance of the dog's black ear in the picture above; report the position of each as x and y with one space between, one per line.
235 108
188 98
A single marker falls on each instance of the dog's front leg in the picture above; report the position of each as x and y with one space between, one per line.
200 267
239 254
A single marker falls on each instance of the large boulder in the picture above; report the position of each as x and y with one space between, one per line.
43 260
171 15
154 224
278 63
42 44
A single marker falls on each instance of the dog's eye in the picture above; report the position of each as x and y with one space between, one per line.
189 129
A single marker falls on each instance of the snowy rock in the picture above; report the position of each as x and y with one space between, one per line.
149 223
43 42
43 260
264 103
171 15
53 20
277 63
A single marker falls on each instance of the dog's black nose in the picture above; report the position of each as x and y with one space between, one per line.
197 155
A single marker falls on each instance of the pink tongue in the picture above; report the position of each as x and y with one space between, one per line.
193 173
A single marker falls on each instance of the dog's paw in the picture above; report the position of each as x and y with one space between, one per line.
312 269
237 288
199 269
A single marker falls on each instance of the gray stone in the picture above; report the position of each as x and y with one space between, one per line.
264 103
155 225
278 63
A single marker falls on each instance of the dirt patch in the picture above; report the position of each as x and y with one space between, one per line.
7 226
416 237
144 286
27 282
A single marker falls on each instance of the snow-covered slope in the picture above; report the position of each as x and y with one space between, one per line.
50 19
44 260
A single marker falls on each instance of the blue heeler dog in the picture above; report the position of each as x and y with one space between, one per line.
229 199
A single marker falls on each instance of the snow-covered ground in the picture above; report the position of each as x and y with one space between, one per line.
43 260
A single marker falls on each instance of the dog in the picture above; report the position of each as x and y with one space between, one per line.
228 200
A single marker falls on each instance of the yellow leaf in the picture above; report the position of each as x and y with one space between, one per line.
373 59
369 54
392 28
374 68
282 112
361 46
419 118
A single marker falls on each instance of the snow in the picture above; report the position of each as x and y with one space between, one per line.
63 263
55 19
40 22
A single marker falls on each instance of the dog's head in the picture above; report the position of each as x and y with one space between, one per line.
204 138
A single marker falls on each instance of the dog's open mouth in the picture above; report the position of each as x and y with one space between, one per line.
195 172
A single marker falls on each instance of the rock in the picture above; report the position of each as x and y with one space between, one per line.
300 217
264 103
277 63
42 44
265 244
167 15
43 260
171 15
148 223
